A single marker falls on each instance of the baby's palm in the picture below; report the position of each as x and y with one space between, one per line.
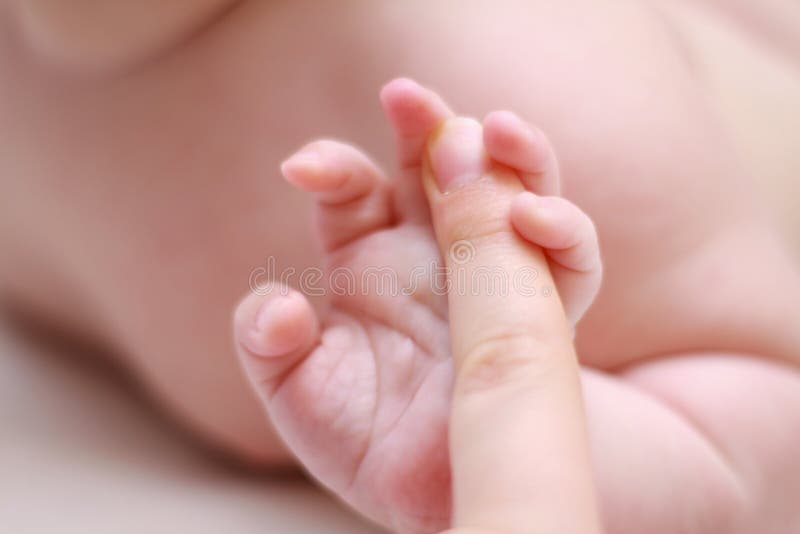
367 410
360 392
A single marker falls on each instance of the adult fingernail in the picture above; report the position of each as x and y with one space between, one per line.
456 153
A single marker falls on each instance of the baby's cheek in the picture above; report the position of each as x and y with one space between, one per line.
110 34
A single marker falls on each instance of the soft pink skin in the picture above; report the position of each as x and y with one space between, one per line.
141 188
366 411
563 230
364 404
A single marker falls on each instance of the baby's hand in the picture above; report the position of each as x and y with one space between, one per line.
565 233
362 394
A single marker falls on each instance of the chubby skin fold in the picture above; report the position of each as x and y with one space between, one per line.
363 401
674 129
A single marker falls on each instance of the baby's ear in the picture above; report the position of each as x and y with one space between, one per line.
110 34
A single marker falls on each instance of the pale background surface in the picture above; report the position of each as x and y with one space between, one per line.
80 453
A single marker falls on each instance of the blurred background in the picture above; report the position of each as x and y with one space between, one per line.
81 451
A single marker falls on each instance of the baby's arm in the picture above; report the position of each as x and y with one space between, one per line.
701 441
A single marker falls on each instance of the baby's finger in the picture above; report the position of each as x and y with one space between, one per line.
517 434
273 332
569 238
413 112
513 142
353 195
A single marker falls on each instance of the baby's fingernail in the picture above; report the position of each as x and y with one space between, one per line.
456 153
275 324
267 312
300 162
